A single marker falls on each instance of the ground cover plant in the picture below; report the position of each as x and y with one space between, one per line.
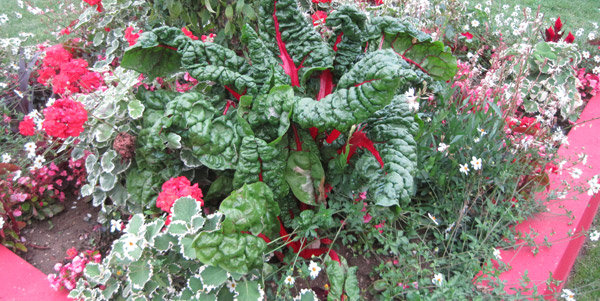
258 153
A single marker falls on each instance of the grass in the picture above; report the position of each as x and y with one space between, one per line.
584 280
58 16
574 14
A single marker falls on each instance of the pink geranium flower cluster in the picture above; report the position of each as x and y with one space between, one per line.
65 118
590 83
67 74
132 36
70 272
174 189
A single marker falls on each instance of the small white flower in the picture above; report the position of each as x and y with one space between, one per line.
314 269
30 147
438 279
579 32
39 160
476 163
1 222
433 218
17 175
412 99
464 168
481 131
497 254
231 286
289 280
576 173
596 70
476 139
19 16
568 295
594 236
585 54
129 243
442 147
6 158
116 225
594 186
597 58
474 23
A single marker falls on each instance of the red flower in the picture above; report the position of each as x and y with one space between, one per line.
55 56
558 25
65 118
189 34
321 1
65 32
550 35
467 35
71 253
319 17
174 189
130 36
570 38
90 81
95 2
208 39
27 127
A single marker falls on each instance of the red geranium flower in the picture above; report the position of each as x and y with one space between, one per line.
319 17
467 35
188 33
27 127
95 2
65 118
174 189
130 36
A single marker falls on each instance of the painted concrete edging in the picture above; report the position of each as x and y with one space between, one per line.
566 231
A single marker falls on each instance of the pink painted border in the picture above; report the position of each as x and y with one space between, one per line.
19 280
566 234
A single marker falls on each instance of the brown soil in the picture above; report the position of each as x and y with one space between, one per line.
365 274
47 241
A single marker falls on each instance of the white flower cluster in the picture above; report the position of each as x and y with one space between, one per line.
6 158
568 295
594 185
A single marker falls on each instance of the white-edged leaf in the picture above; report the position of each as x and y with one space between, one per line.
107 181
173 141
90 161
249 290
98 197
135 224
185 208
86 190
197 222
187 249
103 132
135 109
307 295
177 228
188 158
107 160
212 277
119 195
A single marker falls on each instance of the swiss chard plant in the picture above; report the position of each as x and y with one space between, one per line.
294 110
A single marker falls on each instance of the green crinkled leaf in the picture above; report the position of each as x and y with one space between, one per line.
270 114
221 187
304 174
153 54
250 208
392 130
297 36
233 252
216 143
349 26
433 57
368 87
256 157
143 185
187 110
153 62
155 100
265 67
351 286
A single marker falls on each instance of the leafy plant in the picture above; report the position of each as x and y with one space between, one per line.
267 138
193 258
